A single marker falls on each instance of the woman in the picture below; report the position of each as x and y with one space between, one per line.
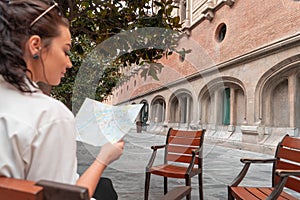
37 132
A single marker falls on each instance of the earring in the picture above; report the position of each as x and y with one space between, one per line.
35 56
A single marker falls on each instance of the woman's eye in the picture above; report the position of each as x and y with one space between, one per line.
68 53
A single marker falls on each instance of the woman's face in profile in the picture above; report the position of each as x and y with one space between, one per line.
56 57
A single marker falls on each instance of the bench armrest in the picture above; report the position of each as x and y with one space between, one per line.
153 156
251 160
196 151
62 191
283 173
243 172
158 147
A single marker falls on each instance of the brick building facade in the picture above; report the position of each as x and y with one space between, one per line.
241 81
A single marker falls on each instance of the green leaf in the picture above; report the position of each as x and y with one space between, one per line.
93 22
152 72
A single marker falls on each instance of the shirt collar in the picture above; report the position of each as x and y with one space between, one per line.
33 87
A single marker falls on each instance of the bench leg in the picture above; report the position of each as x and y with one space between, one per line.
147 185
188 183
200 181
165 185
230 197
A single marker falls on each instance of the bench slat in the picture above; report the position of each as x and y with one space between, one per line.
181 149
16 189
185 141
181 158
178 193
291 142
251 193
258 192
268 191
289 154
182 133
293 184
242 193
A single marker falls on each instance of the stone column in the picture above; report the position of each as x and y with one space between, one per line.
188 13
163 111
292 89
188 103
167 113
155 114
232 109
232 106
217 107
182 109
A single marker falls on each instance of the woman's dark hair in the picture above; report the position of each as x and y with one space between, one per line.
15 19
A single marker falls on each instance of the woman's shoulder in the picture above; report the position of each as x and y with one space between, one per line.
35 109
52 107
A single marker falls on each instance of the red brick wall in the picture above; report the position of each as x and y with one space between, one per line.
251 24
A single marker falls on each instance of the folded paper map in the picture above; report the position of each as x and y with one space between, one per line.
99 123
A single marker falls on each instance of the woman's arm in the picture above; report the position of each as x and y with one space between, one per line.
91 177
108 153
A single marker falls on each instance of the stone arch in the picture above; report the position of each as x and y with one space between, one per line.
225 95
180 107
277 97
158 109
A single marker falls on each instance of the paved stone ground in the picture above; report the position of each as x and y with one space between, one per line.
221 165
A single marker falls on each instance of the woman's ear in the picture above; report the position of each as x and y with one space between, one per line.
34 46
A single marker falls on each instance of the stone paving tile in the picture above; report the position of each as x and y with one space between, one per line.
221 165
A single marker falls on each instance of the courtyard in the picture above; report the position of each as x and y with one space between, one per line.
221 165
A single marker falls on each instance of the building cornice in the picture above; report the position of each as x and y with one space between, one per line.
278 46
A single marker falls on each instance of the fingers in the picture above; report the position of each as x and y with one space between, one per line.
120 144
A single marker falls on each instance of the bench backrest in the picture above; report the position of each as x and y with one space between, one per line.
16 189
181 143
288 158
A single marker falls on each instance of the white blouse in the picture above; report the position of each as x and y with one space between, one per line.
37 136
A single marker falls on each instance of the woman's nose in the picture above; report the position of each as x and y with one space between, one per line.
69 63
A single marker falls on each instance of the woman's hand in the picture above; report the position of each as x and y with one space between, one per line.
110 152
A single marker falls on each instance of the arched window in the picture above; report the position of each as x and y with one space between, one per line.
158 109
278 97
181 108
223 103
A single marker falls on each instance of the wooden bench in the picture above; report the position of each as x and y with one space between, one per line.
285 174
18 189
183 159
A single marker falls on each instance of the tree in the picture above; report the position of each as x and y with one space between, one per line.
95 21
